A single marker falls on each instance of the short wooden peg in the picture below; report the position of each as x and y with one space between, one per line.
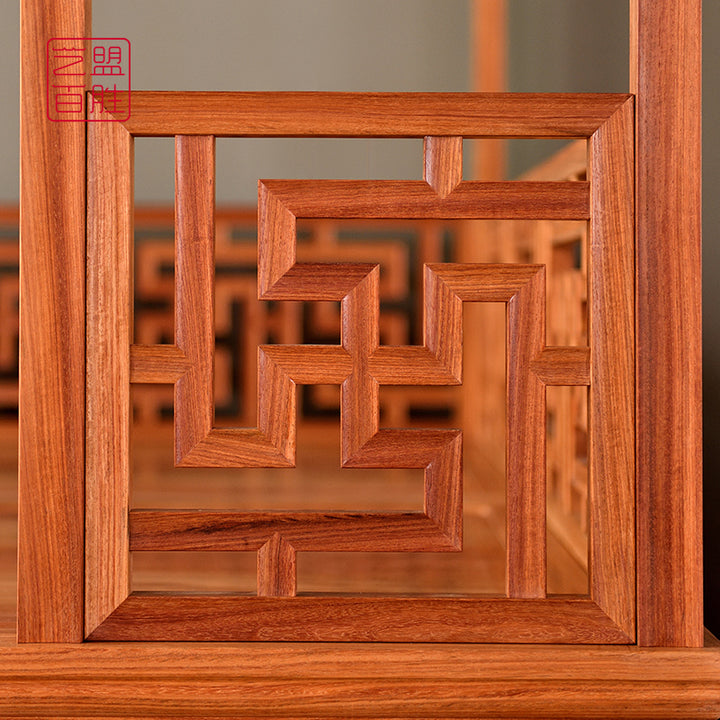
276 568
443 163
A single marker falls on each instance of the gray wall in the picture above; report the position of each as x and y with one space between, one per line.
381 45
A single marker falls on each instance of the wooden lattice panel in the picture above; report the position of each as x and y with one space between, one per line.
242 322
360 364
562 248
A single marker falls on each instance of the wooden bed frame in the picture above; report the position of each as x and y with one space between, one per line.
661 668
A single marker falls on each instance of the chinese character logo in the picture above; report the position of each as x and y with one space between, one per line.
88 79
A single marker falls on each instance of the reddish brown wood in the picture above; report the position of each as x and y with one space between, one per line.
416 199
359 393
156 363
413 365
611 402
309 114
52 342
276 568
109 333
488 72
665 165
194 275
197 442
526 504
158 617
523 288
384 681
563 366
310 364
665 73
305 531
443 168
443 319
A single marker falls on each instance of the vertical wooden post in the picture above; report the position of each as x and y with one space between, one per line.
52 341
489 37
107 396
483 403
665 74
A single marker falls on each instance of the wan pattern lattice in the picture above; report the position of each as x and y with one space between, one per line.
359 364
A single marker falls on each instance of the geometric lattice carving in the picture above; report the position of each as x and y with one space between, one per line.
242 323
360 364
562 248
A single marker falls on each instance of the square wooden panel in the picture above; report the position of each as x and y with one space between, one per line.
360 365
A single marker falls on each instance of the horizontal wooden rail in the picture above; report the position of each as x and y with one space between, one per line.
382 681
304 114
160 616
157 363
411 199
563 366
305 531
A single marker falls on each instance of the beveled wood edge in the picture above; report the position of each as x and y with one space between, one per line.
163 617
109 293
343 114
126 600
418 199
611 462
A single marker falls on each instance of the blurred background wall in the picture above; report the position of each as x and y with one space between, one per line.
556 45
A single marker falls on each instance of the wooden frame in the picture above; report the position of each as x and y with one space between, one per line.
312 681
607 615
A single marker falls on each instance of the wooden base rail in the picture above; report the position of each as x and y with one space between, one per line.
141 681
168 617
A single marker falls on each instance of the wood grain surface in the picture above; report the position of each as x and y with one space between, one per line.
306 114
442 163
665 70
109 334
52 341
409 680
305 531
276 568
525 445
563 366
364 444
332 618
302 680
611 403
399 199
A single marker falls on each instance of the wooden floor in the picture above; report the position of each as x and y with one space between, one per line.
317 483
